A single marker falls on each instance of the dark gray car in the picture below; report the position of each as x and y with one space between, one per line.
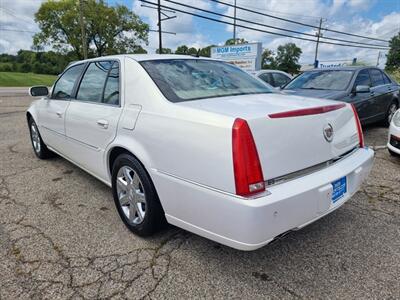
374 94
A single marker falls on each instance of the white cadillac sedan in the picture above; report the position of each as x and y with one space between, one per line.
200 144
394 135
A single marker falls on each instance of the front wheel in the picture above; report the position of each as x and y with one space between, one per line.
135 196
39 147
390 113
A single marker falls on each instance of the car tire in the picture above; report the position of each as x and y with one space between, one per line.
390 113
39 147
392 153
135 197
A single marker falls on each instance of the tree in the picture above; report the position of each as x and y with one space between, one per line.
182 50
238 41
287 58
268 60
109 30
164 51
206 51
393 57
192 51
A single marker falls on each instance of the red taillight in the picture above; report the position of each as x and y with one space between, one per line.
359 128
307 111
249 178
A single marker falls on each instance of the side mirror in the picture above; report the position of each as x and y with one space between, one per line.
362 89
38 91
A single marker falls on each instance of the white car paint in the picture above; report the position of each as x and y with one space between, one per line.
394 132
186 148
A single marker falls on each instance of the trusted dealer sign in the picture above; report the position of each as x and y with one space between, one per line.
245 56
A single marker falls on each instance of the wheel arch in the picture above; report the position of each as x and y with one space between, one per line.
117 150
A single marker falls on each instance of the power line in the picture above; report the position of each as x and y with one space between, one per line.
261 30
284 13
12 13
273 27
16 30
297 22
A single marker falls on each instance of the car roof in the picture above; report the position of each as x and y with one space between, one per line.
144 57
349 68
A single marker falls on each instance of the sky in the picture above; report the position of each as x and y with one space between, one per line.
372 18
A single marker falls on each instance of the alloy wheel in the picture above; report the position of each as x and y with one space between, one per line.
131 195
391 111
35 138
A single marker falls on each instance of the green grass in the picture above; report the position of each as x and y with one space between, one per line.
14 79
395 75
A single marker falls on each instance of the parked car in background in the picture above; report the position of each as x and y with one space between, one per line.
274 78
374 94
202 145
394 135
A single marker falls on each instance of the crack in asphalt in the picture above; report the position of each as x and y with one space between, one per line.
78 276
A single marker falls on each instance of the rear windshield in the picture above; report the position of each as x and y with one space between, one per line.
190 79
322 80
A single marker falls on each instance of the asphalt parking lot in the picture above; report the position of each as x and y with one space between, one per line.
61 238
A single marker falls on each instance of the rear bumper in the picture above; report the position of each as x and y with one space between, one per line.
248 224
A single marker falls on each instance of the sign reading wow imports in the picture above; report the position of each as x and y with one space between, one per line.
245 56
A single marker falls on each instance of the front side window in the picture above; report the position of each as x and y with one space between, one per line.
92 84
65 84
266 77
190 79
386 79
376 77
363 78
337 80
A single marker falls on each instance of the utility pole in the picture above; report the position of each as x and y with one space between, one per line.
83 31
159 27
316 47
379 56
234 22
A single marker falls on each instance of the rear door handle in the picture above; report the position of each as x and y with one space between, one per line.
59 114
372 93
103 123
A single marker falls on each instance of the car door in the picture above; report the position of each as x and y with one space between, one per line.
52 112
92 117
363 101
379 92
390 90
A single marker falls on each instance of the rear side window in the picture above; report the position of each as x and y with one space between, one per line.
111 90
92 84
363 78
280 79
376 77
65 84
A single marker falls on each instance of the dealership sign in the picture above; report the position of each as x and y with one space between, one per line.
245 56
336 64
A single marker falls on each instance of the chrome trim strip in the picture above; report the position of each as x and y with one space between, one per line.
309 170
255 196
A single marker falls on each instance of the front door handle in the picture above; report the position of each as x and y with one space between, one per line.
59 114
372 93
103 123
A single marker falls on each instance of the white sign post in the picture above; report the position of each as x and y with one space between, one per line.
245 56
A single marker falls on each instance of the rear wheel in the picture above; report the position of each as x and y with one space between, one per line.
390 113
135 196
39 147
